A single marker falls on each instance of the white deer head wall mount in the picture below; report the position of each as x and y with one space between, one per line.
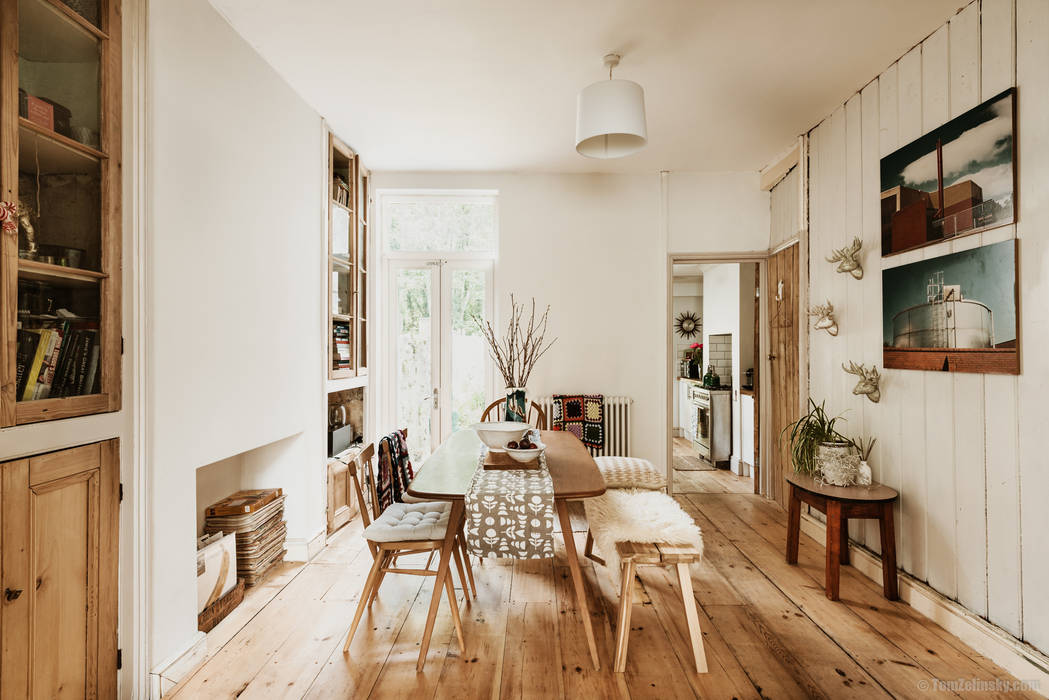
824 314
848 259
868 384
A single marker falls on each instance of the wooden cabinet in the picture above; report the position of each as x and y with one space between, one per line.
58 571
60 106
348 205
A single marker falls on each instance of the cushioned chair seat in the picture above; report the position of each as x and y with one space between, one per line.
630 473
410 521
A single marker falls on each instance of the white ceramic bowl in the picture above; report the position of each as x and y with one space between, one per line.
525 455
497 434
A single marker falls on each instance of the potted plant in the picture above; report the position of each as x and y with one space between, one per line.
516 353
818 449
696 360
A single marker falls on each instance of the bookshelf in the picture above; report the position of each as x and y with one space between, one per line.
348 204
60 107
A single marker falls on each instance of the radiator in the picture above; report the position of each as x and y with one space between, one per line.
617 424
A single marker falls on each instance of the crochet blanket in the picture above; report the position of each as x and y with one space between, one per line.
395 469
583 415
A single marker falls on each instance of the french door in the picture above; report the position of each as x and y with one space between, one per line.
440 370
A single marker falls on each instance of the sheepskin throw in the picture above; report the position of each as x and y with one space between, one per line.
583 416
630 473
638 516
510 512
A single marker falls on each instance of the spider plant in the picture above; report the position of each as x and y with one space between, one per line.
808 432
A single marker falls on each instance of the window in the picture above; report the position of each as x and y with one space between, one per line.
447 222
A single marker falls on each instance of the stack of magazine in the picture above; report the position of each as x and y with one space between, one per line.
257 518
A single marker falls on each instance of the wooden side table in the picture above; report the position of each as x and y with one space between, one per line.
839 504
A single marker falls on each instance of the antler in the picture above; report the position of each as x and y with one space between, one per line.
840 254
861 371
822 309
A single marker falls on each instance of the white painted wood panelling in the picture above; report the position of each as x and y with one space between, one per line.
965 450
783 207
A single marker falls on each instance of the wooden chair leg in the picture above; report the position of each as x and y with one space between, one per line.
385 558
455 612
626 603
466 561
363 602
462 573
695 635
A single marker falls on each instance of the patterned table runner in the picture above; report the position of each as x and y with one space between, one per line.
510 512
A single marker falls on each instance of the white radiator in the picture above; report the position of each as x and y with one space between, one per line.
617 424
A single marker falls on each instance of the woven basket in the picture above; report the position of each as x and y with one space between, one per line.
214 613
837 463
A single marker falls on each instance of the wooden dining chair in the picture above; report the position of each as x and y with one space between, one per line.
399 530
497 409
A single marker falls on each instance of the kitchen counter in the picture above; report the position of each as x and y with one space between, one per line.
699 382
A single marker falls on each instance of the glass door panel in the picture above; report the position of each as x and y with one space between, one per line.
415 326
468 365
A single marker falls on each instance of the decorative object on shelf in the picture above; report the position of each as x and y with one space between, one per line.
610 117
953 313
9 217
955 180
696 361
516 353
806 435
824 314
848 259
868 384
687 324
865 446
837 462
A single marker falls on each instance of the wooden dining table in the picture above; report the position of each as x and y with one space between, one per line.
446 476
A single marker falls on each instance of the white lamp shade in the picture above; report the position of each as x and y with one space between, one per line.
610 119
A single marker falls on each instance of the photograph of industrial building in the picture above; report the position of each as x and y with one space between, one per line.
953 313
954 180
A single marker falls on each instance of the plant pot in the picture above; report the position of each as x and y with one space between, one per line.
516 404
837 463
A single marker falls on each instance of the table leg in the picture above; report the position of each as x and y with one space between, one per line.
844 541
890 584
458 507
833 548
793 525
577 577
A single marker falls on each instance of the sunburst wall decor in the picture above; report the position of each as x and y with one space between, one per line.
687 324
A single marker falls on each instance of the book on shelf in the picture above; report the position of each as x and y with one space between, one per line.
25 353
58 361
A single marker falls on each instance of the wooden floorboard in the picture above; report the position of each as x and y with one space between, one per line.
768 629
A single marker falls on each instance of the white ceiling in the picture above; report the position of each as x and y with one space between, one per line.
491 84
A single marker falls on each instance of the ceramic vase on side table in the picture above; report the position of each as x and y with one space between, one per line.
516 404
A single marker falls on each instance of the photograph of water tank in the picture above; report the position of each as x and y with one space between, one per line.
955 180
953 313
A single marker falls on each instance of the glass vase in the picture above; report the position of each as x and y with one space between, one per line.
516 404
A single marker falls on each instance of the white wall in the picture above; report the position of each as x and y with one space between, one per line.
965 450
235 290
594 248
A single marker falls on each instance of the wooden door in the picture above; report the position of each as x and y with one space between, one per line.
58 614
783 363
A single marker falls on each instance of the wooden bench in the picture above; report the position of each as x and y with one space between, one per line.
634 554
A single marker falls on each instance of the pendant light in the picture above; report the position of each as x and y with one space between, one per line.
610 117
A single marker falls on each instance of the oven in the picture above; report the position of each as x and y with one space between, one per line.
701 404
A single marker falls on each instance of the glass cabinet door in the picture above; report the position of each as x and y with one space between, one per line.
64 192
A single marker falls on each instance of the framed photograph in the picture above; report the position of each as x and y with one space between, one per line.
958 179
953 313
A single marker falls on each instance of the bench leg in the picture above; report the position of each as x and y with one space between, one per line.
684 577
793 525
588 552
833 548
890 584
626 604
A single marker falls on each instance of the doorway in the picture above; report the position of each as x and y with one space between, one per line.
441 378
716 350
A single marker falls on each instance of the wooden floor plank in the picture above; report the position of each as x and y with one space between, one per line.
768 629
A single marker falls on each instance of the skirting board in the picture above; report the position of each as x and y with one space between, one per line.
167 674
303 549
1017 657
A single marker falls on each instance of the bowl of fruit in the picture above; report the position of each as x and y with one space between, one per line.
525 450
498 433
